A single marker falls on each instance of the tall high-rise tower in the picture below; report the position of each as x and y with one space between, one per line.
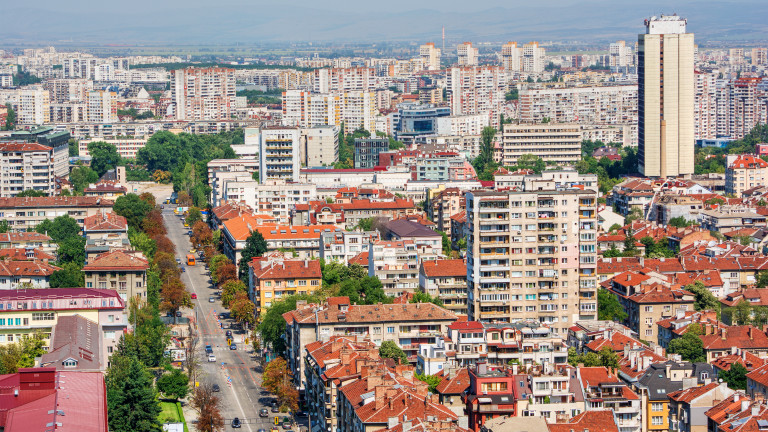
665 56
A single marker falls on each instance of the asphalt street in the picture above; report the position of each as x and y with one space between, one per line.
235 371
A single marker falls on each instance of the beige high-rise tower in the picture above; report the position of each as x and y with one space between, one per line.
665 98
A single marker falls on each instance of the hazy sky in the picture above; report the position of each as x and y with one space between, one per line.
229 21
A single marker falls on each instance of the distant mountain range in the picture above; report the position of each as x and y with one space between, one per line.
578 20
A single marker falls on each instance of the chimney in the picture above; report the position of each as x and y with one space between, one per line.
392 422
744 403
380 393
749 331
722 334
667 370
755 410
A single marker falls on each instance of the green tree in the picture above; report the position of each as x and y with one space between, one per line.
334 273
4 226
422 297
680 222
689 346
484 163
608 307
630 248
389 349
31 193
174 384
70 276
193 215
81 177
10 119
742 313
634 214
131 400
104 157
705 300
432 380
142 242
608 358
255 246
230 289
133 208
72 250
530 162
365 224
589 359
74 148
62 228
735 377
367 290
272 325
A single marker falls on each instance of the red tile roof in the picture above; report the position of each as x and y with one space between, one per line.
18 146
588 421
26 268
746 161
20 254
23 237
331 313
455 385
744 337
56 201
728 407
117 260
746 359
287 269
361 258
692 393
445 268
105 222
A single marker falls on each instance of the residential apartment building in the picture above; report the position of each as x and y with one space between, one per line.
532 255
648 297
446 279
26 166
666 98
729 218
477 90
349 214
353 109
222 170
603 389
203 93
279 154
620 55
534 58
32 105
445 204
342 246
319 146
327 80
272 278
126 147
742 104
705 109
467 54
554 143
278 198
367 151
26 213
430 56
120 271
744 172
105 232
25 274
27 240
396 264
31 311
408 325
102 106
511 57
687 407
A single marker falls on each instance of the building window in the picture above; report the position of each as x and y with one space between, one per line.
649 308
657 420
657 406
69 363
390 329
649 332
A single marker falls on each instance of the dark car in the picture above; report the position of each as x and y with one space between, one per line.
233 347
261 430
275 408
236 422
216 388
178 314
229 334
263 412
189 233
302 414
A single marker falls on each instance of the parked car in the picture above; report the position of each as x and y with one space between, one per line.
178 314
189 233
211 300
236 423
208 349
275 408
193 296
216 388
263 412
286 425
211 358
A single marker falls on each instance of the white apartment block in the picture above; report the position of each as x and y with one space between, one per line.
620 55
26 166
31 104
341 246
705 105
355 109
470 124
279 154
532 255
67 112
511 57
68 90
477 90
274 197
102 106
555 143
319 146
534 58
126 147
468 54
743 172
742 104
396 263
759 56
430 56
589 105
222 170
203 93
329 80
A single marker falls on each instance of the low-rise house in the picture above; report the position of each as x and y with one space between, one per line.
585 331
553 393
493 393
631 194
408 325
446 279
729 218
743 357
105 232
25 274
417 233
25 213
26 254
39 399
119 270
28 240
729 410
26 312
271 279
597 420
725 340
603 389
349 214
458 228
105 190
675 327
451 389
445 204
688 407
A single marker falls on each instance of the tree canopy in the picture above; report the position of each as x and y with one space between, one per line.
608 307
133 208
689 346
255 246
104 157
389 349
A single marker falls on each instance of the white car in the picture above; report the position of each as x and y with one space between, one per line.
211 358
